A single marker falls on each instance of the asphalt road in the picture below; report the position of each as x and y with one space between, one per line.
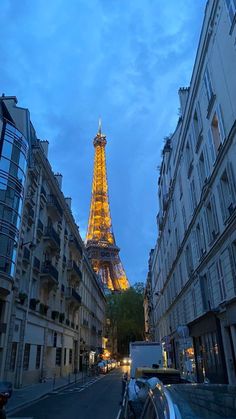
98 398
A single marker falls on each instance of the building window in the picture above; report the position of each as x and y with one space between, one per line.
181 275
189 157
70 356
231 6
200 239
64 356
58 356
184 218
206 292
217 129
227 192
197 126
26 356
211 220
208 85
184 311
194 302
13 356
177 239
202 173
38 357
221 282
189 259
193 195
180 186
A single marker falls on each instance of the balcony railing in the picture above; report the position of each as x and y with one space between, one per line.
74 268
73 242
54 206
49 273
73 296
52 236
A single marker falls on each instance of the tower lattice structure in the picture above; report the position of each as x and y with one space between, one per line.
100 240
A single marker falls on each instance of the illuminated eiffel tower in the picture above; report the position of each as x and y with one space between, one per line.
100 240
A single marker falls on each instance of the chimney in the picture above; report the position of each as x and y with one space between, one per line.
44 145
58 177
68 201
183 97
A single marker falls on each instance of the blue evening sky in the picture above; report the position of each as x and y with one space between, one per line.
71 61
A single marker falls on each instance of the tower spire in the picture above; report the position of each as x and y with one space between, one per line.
100 240
100 126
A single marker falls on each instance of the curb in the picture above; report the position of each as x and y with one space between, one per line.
25 404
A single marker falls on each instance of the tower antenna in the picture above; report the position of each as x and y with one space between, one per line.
100 125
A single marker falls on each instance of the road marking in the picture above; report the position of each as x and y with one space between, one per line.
119 413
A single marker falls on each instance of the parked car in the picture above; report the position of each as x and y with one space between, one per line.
102 367
190 401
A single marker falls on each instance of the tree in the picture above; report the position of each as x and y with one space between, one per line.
126 317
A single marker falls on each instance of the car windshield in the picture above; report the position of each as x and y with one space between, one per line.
204 401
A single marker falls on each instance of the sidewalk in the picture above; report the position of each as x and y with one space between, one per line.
25 396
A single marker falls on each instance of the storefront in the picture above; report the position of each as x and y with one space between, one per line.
208 349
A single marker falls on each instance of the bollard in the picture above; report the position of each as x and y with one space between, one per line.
69 378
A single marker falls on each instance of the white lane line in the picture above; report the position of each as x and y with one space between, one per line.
119 413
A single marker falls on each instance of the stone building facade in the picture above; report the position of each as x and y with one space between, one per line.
57 303
194 262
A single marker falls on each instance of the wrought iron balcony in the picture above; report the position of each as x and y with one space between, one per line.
54 206
74 243
43 197
74 269
52 237
73 297
49 274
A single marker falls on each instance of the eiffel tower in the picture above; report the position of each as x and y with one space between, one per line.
100 240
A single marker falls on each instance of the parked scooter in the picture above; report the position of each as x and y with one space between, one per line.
5 394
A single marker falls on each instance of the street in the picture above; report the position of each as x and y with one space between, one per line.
98 397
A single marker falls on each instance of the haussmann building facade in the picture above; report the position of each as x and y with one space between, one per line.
193 266
52 304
